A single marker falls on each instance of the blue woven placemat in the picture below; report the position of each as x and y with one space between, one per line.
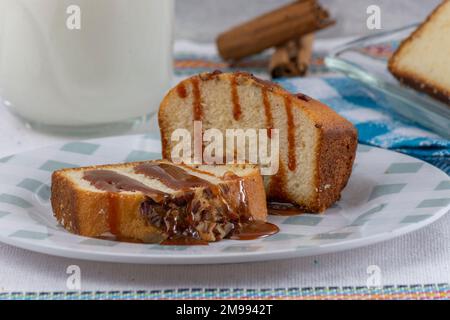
376 124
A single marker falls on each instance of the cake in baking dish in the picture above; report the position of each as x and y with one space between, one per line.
423 60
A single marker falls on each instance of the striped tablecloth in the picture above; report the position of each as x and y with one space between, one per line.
412 292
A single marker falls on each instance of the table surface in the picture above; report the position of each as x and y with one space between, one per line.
421 257
401 261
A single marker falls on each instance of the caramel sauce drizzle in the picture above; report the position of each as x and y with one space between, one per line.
290 133
284 209
176 178
255 230
277 183
237 112
113 182
172 176
197 170
197 102
268 111
181 90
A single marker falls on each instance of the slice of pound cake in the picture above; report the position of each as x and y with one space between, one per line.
316 145
423 60
158 201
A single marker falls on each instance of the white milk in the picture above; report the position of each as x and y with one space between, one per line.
116 67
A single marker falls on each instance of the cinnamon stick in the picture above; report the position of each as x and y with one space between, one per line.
304 53
283 62
273 29
293 58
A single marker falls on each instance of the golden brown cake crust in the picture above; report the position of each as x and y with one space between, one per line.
335 151
413 80
84 212
336 154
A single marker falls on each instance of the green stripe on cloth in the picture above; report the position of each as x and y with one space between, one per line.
429 291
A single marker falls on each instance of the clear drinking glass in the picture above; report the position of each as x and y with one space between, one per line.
81 65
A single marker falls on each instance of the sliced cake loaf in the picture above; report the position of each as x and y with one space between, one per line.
158 201
317 146
423 60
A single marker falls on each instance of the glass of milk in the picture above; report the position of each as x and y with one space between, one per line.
78 65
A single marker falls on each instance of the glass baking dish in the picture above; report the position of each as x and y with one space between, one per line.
366 60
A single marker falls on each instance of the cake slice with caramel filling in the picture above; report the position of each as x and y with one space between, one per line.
161 202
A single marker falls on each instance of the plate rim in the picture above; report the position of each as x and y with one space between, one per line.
224 258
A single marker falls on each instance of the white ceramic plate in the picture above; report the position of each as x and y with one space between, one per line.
389 194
